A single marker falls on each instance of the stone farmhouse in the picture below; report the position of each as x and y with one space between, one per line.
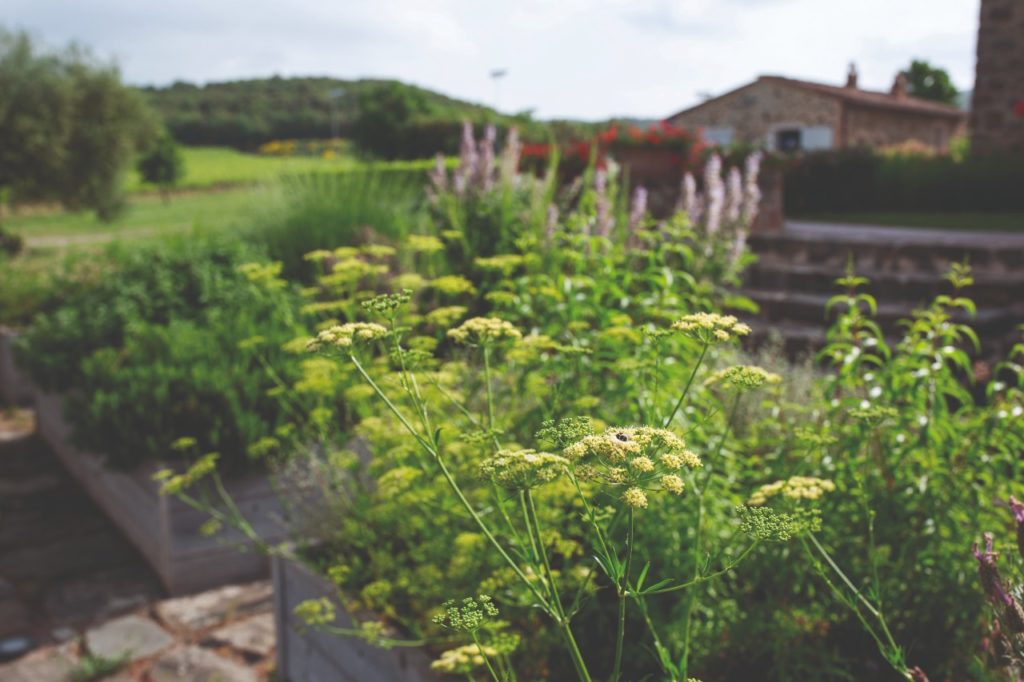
997 108
785 114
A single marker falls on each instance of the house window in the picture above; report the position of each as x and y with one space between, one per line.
788 140
816 137
718 135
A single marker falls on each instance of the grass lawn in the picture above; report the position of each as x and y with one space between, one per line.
995 222
217 166
145 215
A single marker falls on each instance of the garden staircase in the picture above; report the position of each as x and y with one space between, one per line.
797 268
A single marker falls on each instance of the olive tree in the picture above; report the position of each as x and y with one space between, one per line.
69 128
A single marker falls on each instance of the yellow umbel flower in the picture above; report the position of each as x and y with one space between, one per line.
463 659
743 377
673 484
635 498
347 335
711 328
482 330
522 469
796 488
418 243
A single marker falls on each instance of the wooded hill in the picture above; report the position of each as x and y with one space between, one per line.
383 117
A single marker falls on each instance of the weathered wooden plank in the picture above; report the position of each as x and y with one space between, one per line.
305 655
15 388
165 530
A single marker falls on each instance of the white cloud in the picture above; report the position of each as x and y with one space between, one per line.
565 58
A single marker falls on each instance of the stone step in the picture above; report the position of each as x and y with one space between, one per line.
778 305
895 256
913 287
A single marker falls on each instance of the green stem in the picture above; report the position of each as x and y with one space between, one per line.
574 653
487 659
622 589
574 650
490 393
710 576
455 487
664 656
549 576
691 598
526 521
686 390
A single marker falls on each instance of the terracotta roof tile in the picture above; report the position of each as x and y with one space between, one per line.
868 98
872 98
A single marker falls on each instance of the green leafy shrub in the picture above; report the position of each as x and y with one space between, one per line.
860 180
184 278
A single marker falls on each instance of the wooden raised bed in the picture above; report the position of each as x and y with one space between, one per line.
307 655
15 388
164 529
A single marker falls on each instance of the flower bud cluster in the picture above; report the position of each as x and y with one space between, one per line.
523 469
468 615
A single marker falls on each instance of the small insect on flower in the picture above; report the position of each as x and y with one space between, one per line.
710 328
479 331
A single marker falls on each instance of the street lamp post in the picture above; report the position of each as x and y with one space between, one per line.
497 75
334 95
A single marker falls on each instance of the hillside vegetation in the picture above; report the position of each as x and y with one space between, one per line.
383 118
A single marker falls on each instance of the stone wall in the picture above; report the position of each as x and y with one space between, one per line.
756 110
874 127
999 80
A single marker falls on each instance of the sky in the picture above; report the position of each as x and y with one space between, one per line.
582 59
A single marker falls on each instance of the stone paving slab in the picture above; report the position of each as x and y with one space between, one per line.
254 636
212 608
194 664
67 579
132 637
41 666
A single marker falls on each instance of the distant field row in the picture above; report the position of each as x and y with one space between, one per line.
221 188
207 167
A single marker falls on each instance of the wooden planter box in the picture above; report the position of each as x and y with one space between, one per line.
15 388
307 655
164 529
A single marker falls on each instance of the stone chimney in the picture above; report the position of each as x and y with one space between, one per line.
899 85
851 76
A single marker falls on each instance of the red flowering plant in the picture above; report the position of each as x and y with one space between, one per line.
618 141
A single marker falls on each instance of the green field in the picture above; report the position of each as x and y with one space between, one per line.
145 215
993 222
222 188
207 167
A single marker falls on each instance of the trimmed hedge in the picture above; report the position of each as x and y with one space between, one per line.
860 180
